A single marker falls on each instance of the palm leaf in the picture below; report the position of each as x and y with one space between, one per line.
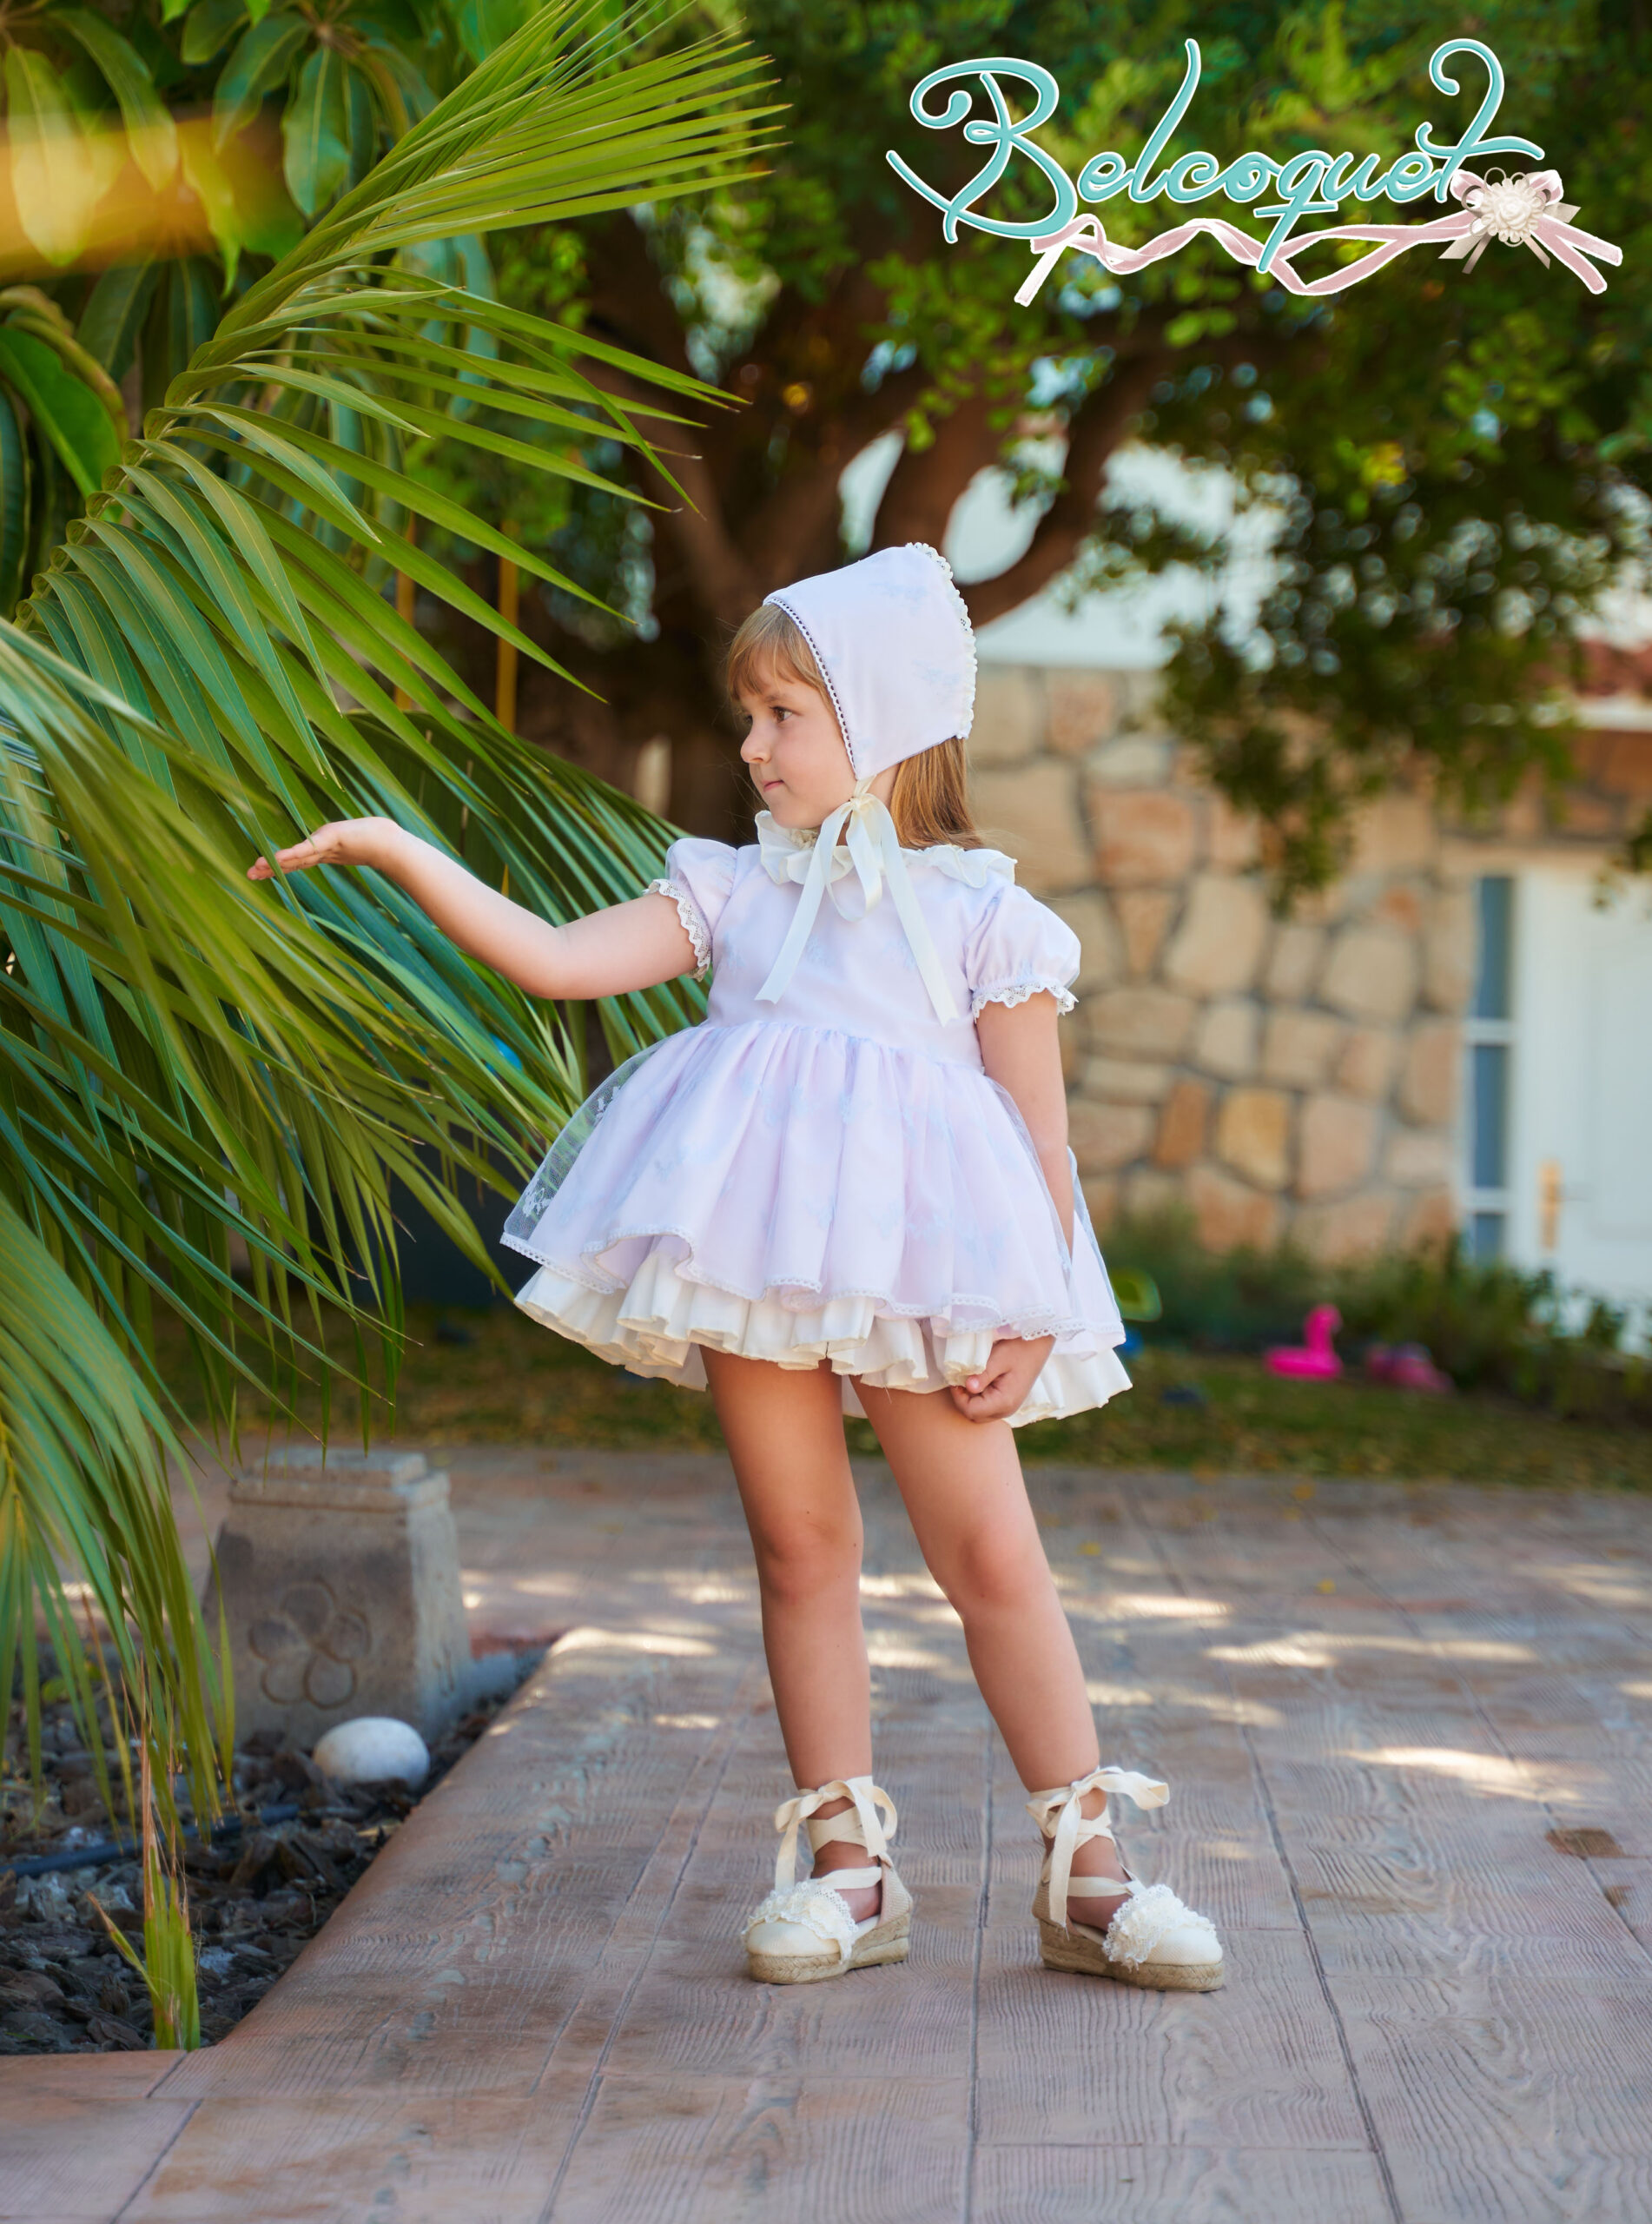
207 666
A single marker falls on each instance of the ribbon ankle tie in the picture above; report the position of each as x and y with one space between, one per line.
1074 1828
875 853
791 1814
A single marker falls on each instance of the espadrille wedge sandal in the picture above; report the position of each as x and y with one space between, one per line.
802 1932
1151 1940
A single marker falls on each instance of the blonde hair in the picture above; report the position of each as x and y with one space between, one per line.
930 802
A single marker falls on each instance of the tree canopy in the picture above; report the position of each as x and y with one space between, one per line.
1457 461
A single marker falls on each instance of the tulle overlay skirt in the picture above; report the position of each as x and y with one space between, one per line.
797 1193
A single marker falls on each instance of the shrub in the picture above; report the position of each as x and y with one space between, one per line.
1216 1300
1490 1326
1496 1327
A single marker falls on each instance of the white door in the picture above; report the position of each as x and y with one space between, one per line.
1577 1032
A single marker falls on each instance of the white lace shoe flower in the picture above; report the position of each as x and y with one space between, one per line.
814 1906
1154 1918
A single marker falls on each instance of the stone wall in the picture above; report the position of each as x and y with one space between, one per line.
1295 1076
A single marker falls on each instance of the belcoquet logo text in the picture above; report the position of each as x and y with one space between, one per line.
1526 209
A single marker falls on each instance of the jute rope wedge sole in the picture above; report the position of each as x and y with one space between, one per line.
1152 1940
800 1933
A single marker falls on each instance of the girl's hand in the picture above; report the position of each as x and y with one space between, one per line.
1004 1383
342 841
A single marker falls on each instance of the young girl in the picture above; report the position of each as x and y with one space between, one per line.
849 1189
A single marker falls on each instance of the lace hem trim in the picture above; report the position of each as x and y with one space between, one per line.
1017 992
693 921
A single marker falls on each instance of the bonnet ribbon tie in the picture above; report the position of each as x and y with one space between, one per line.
875 853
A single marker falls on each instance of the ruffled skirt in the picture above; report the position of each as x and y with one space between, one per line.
800 1194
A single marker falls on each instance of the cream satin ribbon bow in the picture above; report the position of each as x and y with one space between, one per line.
792 1813
1073 1827
875 853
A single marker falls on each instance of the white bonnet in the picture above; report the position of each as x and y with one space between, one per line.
895 645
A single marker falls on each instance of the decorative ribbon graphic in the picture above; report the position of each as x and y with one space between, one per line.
874 853
1525 210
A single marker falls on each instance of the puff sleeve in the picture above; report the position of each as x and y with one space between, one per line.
1017 948
698 876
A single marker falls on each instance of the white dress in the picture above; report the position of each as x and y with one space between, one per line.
832 1176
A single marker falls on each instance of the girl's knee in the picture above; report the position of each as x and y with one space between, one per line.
989 1573
798 1562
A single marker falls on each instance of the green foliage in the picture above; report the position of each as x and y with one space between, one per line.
543 273
1454 465
1488 1325
511 1383
62 422
1451 465
1215 1300
1494 1325
84 98
333 85
166 1964
207 667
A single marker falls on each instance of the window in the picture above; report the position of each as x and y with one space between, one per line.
1489 1037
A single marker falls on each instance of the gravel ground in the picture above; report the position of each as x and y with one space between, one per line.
256 1897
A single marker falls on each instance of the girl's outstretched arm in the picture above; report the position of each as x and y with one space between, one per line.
633 945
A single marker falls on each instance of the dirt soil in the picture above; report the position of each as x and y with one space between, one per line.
256 1897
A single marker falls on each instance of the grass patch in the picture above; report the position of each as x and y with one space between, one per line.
514 1381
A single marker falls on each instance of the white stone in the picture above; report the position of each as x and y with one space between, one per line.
1125 1081
1448 952
373 1749
1149 1024
1297 1046
1218 943
1395 834
1226 1043
1009 714
1140 760
1293 966
1421 1159
1372 975
1032 812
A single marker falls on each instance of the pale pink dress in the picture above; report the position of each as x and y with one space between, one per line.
833 1175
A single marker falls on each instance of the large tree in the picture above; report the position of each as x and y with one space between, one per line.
1454 460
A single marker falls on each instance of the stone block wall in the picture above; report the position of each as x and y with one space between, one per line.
1295 1076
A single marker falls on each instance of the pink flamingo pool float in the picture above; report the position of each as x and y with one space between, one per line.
1314 1357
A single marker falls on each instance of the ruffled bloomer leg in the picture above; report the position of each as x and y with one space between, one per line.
656 1325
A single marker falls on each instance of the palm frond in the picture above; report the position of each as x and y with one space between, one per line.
207 666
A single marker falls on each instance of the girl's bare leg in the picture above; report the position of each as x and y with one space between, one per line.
784 1431
962 1482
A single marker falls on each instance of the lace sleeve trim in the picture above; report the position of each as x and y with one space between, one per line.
1017 992
693 920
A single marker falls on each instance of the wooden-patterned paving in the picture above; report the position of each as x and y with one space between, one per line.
1407 1734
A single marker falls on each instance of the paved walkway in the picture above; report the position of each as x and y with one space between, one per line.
1409 1736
